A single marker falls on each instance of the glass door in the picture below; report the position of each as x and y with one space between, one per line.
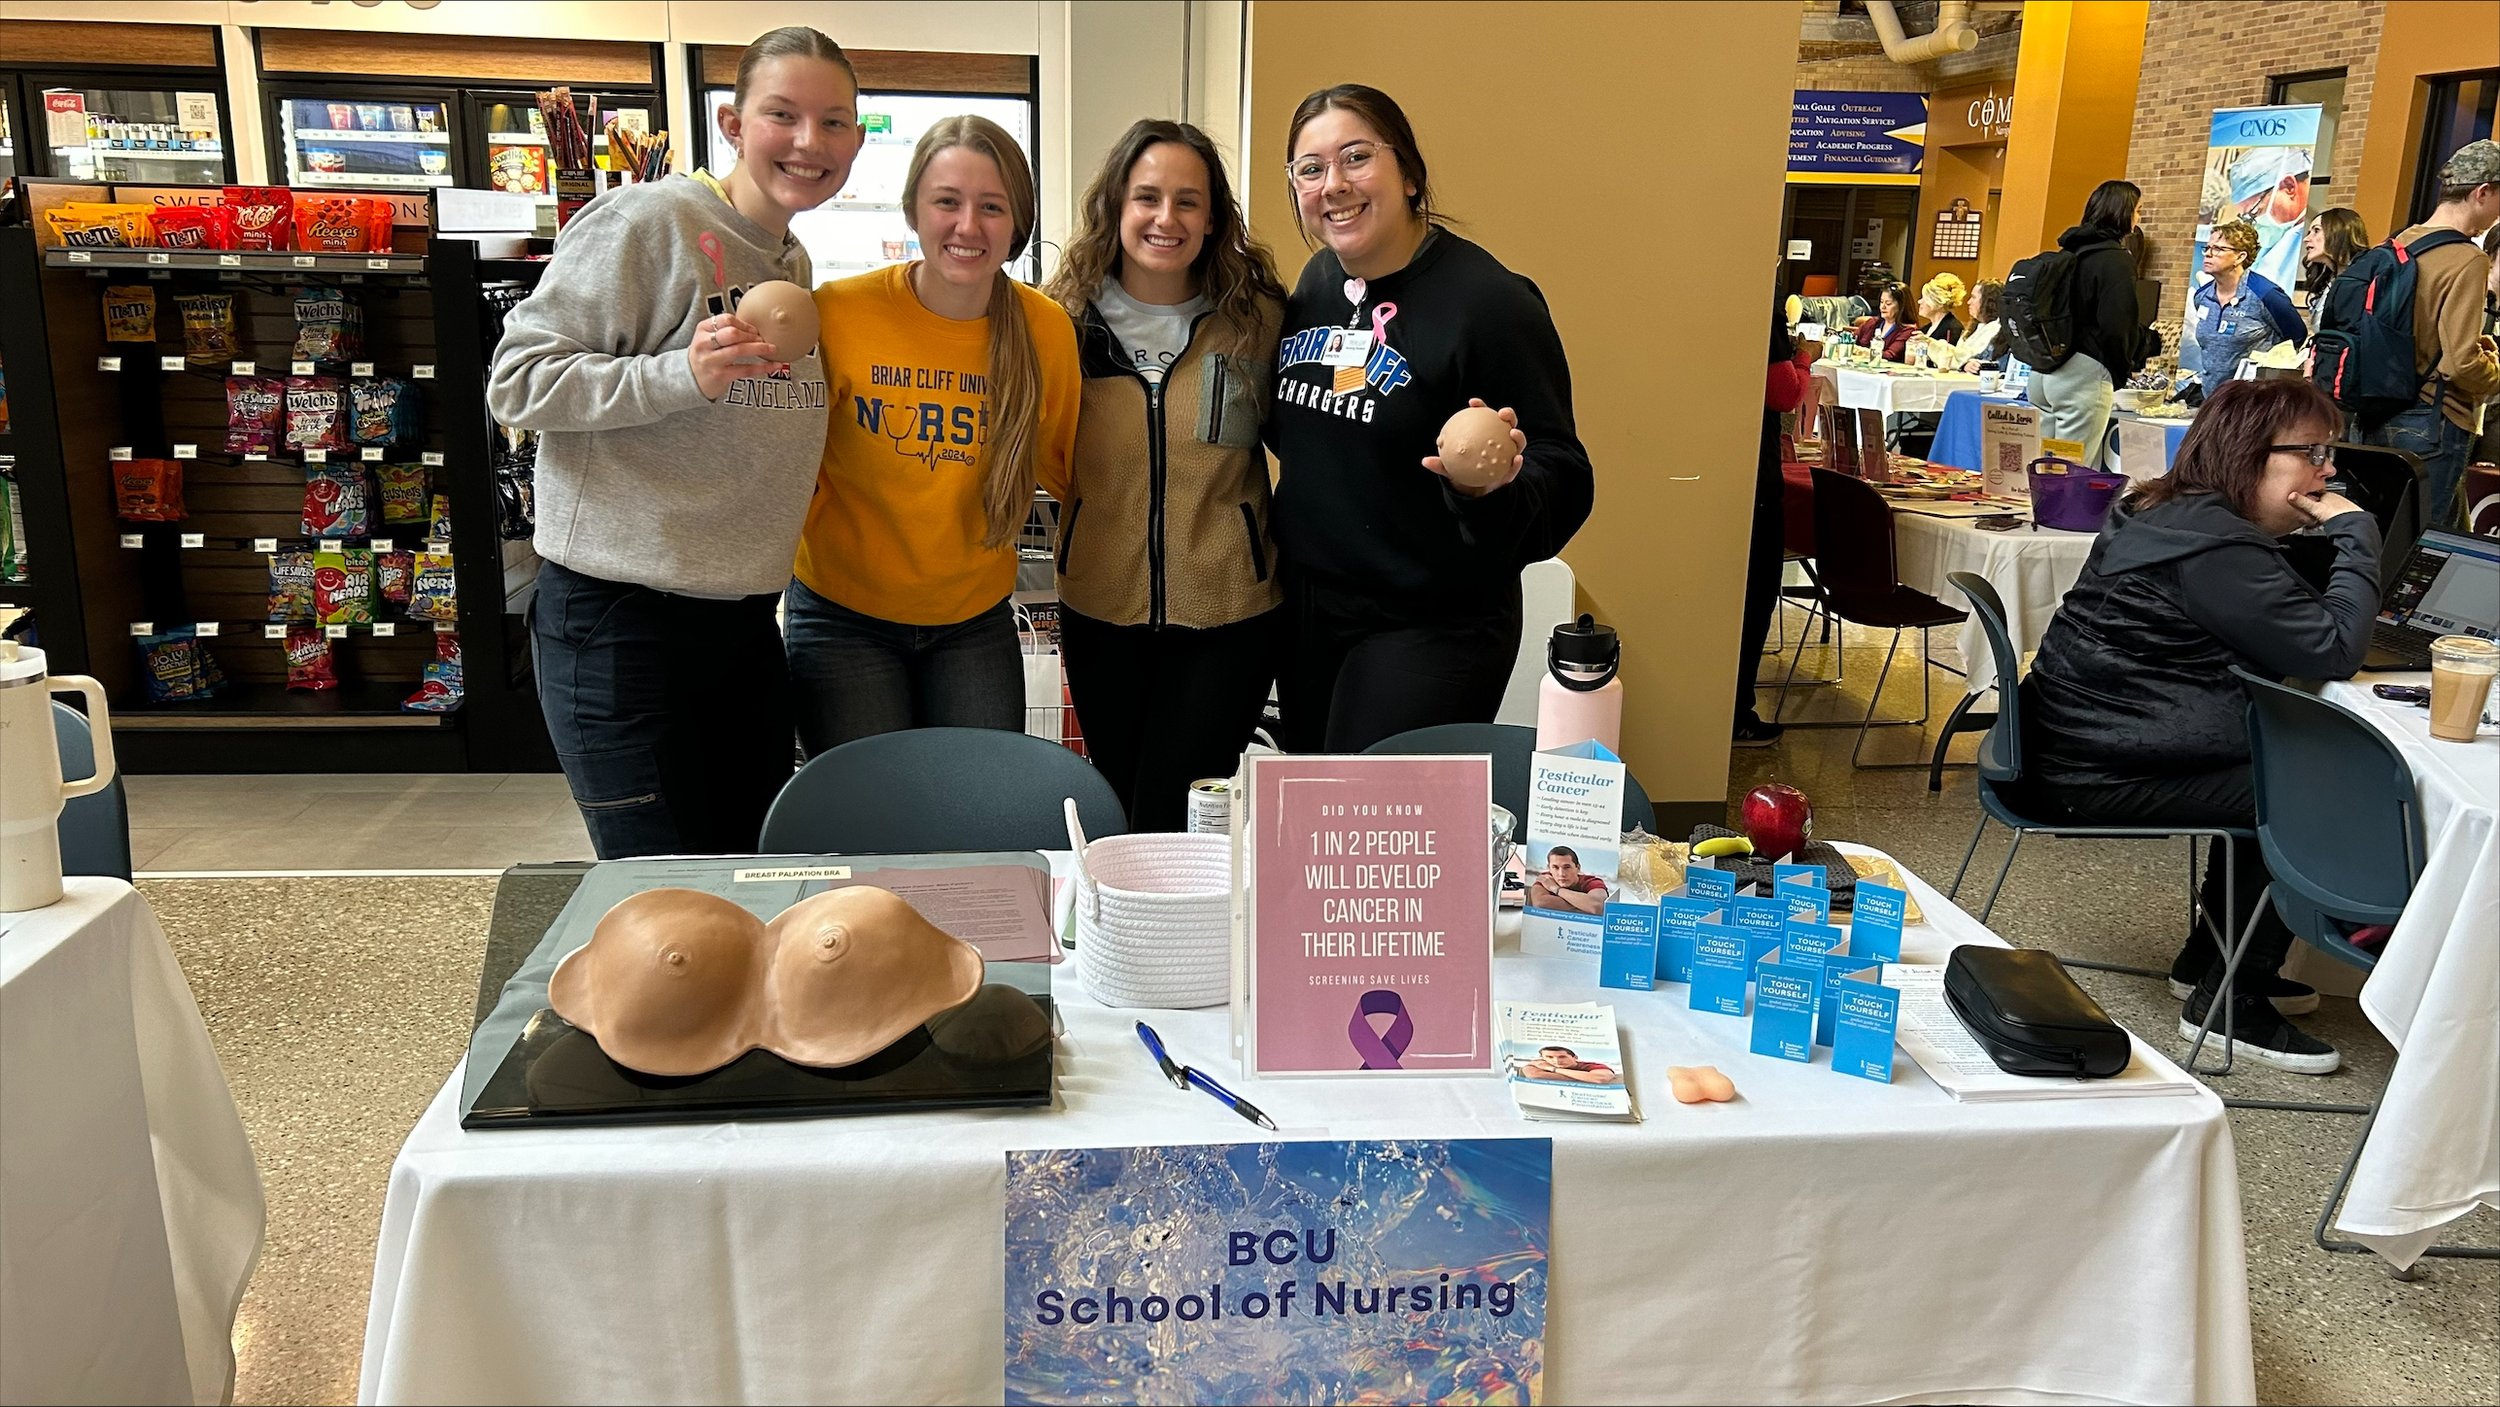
165 131
507 137
362 138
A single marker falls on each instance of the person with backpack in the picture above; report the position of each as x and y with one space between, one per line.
2401 342
2236 313
2073 319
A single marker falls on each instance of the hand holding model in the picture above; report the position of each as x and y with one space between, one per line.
1481 449
724 350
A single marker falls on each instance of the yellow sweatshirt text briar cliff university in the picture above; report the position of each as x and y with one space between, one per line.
896 527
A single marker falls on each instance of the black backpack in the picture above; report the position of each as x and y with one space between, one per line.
2040 306
2365 352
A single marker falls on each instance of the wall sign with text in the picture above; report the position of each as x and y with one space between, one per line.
1835 133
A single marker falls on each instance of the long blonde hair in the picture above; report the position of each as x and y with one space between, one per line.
1233 270
1015 364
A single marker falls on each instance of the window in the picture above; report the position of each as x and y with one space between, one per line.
2460 112
2326 89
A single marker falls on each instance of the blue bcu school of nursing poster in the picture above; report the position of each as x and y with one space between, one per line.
1322 1272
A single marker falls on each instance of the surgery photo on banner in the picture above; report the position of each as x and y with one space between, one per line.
2257 162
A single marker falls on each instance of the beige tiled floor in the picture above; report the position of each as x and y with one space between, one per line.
191 824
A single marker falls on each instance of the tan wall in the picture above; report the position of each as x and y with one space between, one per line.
2200 55
1544 160
2418 40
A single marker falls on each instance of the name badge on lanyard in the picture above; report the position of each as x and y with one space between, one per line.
1347 347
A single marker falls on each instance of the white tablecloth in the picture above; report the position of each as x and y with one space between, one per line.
2434 1154
2031 568
1823 1239
130 1209
1896 392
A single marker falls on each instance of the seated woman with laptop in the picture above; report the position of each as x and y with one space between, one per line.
2133 715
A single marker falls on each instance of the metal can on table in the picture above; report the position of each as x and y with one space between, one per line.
1211 806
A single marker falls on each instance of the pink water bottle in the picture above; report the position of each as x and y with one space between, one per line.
1580 698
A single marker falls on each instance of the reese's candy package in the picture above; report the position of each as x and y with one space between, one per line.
343 587
177 667
342 224
193 226
382 410
97 225
129 312
431 595
336 502
328 328
308 662
255 414
392 572
291 585
264 216
403 493
315 413
208 331
149 490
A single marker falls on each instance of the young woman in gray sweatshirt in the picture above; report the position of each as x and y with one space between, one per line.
675 464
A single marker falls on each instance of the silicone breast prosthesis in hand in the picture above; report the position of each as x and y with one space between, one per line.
784 315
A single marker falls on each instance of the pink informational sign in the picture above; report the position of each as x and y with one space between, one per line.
1370 915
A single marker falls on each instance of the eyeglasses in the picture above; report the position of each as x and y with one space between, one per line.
1308 171
2319 455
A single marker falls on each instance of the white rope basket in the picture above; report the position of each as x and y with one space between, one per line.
1154 920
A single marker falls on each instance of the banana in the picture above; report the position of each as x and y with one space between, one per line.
1718 845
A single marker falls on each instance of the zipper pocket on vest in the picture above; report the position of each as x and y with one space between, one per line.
1067 532
1258 555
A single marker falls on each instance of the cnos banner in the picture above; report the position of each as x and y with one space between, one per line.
1279 1272
2257 162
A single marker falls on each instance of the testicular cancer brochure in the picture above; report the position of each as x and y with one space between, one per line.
1876 912
1575 839
1369 923
1564 1061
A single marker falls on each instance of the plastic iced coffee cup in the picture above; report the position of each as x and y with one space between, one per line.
2462 667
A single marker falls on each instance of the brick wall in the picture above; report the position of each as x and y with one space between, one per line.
2200 55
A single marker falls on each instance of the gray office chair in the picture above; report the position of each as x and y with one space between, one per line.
939 789
94 829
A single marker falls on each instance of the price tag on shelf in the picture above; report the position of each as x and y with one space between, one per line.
246 368
360 369
306 261
436 544
143 627
195 539
385 544
446 627
422 371
383 264
81 256
256 456
159 256
373 453
186 451
334 544
133 540
160 275
335 632
108 363
316 456
273 632
119 454
170 363
230 261
302 368
205 629
264 544
384 630
351 278
432 458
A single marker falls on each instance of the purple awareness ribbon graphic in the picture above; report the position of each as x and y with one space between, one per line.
1380 1049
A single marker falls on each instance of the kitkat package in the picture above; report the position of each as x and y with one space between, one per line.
148 490
264 217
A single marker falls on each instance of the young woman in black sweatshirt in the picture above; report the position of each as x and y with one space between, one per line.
1402 588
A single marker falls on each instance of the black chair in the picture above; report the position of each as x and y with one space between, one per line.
1511 745
2334 868
939 789
2001 792
95 828
1861 581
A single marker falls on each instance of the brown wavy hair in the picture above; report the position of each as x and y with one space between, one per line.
1015 364
1233 269
1381 113
2225 450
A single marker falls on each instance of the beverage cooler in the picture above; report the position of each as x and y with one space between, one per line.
360 137
507 137
862 227
159 127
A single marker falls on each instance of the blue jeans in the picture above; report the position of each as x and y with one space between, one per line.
858 676
671 715
2441 444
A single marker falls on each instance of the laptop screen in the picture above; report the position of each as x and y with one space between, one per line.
2450 586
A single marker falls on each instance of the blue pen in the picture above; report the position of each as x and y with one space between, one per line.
1154 1047
1184 1076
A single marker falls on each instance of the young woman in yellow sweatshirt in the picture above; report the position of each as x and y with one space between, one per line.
954 392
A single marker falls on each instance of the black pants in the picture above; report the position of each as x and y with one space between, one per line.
1358 669
1162 708
671 715
1764 560
2219 798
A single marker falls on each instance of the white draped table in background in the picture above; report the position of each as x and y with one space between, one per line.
2434 1154
2031 568
1823 1239
130 1209
1895 392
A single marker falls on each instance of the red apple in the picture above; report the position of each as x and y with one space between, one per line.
1777 819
